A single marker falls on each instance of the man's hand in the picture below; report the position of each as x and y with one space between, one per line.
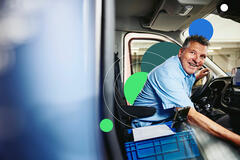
203 72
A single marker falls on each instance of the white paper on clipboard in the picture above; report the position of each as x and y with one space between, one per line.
148 132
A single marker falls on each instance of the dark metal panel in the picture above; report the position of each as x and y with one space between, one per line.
111 147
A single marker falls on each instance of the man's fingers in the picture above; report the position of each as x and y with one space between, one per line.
205 71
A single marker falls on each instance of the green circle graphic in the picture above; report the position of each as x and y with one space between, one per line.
106 125
134 85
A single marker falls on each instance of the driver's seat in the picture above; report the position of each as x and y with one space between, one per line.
123 112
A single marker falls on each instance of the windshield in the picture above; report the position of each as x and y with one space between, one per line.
224 49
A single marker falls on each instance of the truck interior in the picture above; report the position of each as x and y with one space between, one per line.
140 24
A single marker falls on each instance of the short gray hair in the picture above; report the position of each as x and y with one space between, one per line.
195 38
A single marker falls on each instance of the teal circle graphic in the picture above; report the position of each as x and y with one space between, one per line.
134 85
106 125
201 27
157 54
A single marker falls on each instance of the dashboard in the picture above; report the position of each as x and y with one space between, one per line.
218 99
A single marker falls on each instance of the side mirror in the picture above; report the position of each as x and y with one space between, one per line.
236 76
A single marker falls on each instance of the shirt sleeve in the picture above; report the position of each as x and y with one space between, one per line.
171 90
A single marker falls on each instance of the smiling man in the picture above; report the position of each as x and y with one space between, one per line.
192 55
169 86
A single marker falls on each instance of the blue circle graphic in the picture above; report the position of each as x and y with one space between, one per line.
201 27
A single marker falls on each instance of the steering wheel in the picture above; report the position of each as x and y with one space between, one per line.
226 101
200 90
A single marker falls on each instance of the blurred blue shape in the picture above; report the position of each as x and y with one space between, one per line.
52 89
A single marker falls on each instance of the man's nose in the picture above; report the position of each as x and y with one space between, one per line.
197 58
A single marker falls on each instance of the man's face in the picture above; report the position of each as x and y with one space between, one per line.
192 57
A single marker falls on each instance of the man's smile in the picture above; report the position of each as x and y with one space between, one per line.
192 64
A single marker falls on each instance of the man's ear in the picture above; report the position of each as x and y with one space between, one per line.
180 52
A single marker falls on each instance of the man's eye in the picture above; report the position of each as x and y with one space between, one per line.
203 57
192 52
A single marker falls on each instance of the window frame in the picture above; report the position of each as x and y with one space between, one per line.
129 37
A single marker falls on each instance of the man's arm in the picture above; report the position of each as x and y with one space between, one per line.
210 126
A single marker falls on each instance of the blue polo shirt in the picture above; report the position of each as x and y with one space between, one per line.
168 86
